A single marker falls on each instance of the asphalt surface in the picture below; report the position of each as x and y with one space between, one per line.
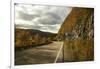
39 55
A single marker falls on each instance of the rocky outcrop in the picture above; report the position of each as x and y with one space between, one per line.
77 32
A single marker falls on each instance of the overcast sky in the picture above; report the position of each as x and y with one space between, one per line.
41 17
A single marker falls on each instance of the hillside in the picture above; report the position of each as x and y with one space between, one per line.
32 37
77 32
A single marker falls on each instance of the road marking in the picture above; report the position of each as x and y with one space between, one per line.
58 53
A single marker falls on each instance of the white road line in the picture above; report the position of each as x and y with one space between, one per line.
58 53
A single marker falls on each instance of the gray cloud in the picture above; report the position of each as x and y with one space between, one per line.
25 16
48 21
53 15
45 18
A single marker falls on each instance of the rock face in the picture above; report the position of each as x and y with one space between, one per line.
77 31
30 37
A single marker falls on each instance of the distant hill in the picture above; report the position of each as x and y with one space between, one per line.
32 37
34 32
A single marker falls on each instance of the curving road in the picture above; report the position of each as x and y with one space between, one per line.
39 55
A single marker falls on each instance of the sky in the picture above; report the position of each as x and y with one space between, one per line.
41 17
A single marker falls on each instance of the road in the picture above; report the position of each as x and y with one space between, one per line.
39 55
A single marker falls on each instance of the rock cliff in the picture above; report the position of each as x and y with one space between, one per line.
77 32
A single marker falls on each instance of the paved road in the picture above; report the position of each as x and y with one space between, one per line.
39 55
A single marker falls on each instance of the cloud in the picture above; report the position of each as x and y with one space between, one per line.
41 17
47 20
26 16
